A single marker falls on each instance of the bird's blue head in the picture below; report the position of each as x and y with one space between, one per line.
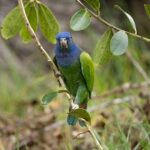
66 51
64 40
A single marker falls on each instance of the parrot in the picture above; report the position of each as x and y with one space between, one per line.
77 70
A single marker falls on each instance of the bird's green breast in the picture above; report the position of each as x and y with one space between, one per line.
73 76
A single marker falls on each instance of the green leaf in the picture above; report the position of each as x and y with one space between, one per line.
94 4
147 9
49 97
33 19
48 23
81 113
119 43
80 20
131 20
102 51
11 23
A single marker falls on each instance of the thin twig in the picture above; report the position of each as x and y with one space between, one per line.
94 137
35 38
75 137
100 19
112 102
63 91
123 88
137 66
43 51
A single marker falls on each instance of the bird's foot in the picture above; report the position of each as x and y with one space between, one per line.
74 106
58 74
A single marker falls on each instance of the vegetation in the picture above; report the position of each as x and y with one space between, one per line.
119 112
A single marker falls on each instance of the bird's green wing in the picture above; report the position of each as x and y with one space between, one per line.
87 68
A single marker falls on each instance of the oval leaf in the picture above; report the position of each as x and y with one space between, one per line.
131 20
94 4
49 97
48 23
102 51
119 43
81 113
147 9
11 23
80 20
33 19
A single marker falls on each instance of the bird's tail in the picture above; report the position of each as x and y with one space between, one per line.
72 120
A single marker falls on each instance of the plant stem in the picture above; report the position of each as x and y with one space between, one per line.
63 91
138 66
100 19
94 137
43 51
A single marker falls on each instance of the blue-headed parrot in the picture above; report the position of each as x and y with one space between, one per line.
77 70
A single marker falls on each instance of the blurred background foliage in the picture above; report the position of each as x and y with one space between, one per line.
25 77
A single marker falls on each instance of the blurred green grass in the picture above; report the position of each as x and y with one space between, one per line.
16 88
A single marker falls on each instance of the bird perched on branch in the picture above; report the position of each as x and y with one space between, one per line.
77 70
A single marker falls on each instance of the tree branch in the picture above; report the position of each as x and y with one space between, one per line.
35 38
43 51
100 19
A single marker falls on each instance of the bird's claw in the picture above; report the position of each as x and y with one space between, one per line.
57 74
74 106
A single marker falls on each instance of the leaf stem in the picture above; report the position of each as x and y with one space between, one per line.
63 91
100 19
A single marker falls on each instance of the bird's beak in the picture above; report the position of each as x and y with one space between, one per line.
63 43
